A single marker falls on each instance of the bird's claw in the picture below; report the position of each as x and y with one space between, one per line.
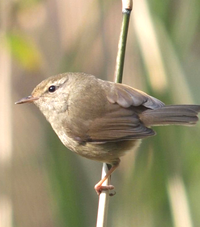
100 188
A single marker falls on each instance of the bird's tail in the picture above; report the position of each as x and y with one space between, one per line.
171 115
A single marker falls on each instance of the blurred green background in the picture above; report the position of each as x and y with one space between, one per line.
41 182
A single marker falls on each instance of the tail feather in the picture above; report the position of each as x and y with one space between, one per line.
171 115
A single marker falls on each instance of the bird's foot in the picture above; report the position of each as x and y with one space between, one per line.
99 188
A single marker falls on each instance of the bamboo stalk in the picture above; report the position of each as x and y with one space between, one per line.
103 200
122 40
104 196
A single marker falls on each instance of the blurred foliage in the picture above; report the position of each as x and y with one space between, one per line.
155 186
24 51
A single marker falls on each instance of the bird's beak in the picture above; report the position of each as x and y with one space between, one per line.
27 99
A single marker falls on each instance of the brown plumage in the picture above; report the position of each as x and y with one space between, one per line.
101 120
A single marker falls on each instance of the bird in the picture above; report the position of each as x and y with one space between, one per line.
103 120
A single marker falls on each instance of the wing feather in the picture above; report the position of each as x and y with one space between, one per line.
118 119
127 96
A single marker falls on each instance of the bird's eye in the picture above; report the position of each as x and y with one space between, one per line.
52 88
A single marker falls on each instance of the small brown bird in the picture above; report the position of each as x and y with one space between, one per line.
101 120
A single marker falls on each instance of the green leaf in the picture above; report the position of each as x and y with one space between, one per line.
24 51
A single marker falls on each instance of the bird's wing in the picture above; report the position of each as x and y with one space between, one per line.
120 120
127 96
116 125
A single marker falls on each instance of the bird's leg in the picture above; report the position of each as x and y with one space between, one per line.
99 187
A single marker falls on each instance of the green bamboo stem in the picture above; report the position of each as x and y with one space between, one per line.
122 46
104 196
